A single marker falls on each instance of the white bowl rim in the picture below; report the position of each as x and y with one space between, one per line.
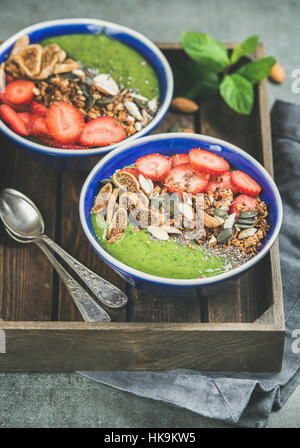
162 110
171 281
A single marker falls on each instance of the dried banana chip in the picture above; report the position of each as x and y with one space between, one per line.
29 60
20 45
102 198
68 66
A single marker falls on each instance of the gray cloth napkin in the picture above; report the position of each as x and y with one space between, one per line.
245 399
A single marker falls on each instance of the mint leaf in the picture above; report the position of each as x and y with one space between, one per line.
238 93
245 48
257 70
206 50
192 82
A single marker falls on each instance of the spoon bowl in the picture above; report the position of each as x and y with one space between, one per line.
20 215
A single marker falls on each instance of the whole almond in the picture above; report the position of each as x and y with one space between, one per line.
210 221
184 105
278 73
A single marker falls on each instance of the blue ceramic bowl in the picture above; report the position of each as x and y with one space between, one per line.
84 160
169 144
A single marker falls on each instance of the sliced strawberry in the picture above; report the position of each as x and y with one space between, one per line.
8 78
64 122
180 159
47 140
185 178
208 162
59 145
244 183
132 171
242 203
26 118
37 126
18 107
37 108
154 166
102 131
19 92
222 182
11 118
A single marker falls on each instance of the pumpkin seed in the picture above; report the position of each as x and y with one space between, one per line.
105 181
225 235
90 102
248 214
221 213
245 226
105 100
88 81
85 90
246 221
70 76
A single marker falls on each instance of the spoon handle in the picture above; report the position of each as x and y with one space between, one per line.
107 293
88 307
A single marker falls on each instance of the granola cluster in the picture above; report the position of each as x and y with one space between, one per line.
90 101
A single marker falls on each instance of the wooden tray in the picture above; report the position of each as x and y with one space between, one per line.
240 328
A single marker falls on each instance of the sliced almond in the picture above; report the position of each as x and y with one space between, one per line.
106 84
219 219
229 221
133 110
126 181
146 117
213 241
78 72
111 204
246 233
146 184
186 210
102 198
158 232
209 221
153 105
143 198
170 229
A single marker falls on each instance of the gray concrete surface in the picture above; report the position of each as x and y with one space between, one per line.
69 400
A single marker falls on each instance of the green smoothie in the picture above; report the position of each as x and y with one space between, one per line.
126 66
161 258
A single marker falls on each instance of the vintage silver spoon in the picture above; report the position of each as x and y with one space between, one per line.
23 219
90 310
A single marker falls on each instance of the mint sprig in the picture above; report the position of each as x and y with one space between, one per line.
212 71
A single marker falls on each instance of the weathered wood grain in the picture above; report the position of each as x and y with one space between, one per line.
26 286
133 346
